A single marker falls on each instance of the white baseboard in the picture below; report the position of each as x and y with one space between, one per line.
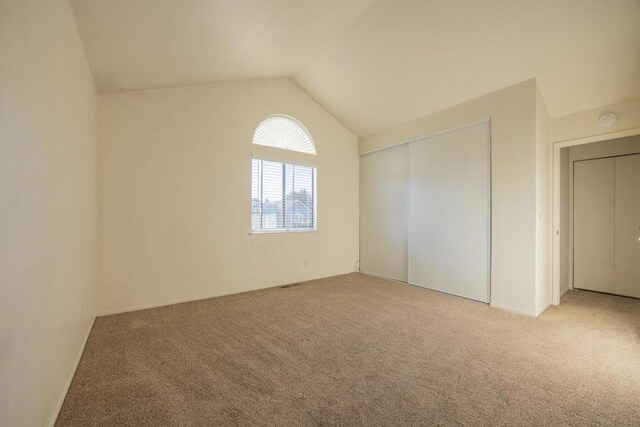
217 293
55 414
169 302
513 310
383 277
542 309
522 312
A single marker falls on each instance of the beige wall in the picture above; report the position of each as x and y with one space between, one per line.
175 201
585 123
544 191
512 111
47 208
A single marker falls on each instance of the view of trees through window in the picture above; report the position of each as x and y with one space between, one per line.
282 196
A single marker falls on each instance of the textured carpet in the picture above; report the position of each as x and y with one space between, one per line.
358 350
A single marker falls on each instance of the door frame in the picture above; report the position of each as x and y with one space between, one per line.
557 146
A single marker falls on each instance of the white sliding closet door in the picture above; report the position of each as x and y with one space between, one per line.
449 213
384 212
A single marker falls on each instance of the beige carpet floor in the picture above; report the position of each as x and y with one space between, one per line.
358 350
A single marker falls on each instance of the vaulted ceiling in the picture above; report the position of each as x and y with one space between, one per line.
141 44
372 63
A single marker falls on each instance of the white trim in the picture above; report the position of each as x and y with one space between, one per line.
54 416
279 159
555 230
542 309
223 293
490 211
597 138
313 229
281 231
513 310
428 135
172 302
384 277
555 250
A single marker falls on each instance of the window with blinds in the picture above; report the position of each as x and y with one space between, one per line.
283 197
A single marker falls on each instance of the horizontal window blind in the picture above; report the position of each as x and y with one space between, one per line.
282 196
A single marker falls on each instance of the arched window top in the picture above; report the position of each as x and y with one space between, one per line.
284 132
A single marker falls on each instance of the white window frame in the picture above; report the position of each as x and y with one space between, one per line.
315 198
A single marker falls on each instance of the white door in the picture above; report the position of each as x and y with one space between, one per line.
627 226
593 224
449 205
383 212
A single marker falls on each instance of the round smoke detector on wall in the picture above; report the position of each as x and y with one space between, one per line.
608 119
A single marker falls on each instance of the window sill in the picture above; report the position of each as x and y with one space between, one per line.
252 233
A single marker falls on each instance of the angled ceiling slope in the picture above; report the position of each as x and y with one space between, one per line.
143 44
373 64
405 59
